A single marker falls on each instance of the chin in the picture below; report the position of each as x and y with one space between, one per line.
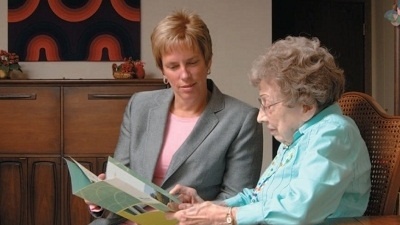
279 139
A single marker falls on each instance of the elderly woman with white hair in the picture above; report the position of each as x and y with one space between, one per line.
322 169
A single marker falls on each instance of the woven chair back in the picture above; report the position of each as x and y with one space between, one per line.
381 133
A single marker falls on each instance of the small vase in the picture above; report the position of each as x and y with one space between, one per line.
140 73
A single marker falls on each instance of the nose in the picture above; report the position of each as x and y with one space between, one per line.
261 117
185 72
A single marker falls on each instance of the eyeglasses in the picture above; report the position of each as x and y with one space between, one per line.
267 108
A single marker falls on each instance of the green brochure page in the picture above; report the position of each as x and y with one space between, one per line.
123 192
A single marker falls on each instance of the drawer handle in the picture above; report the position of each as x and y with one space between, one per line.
17 96
108 96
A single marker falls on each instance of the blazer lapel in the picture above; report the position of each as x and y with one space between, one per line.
202 129
157 122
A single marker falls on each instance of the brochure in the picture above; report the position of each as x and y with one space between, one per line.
123 192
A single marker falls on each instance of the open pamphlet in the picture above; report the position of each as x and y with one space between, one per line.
123 192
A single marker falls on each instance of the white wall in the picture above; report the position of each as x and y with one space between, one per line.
3 25
240 30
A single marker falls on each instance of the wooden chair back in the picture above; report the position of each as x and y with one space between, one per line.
381 133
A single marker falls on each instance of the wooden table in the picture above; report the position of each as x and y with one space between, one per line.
365 220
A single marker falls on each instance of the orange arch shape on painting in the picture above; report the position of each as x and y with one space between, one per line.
124 10
42 42
74 15
105 41
23 12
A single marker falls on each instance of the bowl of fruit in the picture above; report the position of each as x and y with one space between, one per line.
129 69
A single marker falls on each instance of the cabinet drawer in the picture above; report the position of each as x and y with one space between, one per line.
93 116
30 120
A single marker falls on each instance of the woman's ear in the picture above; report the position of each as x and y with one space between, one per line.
209 65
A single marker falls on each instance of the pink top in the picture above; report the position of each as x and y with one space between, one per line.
177 130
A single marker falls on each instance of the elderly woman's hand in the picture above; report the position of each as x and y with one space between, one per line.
205 213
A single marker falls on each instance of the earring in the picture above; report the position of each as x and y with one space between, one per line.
165 80
208 71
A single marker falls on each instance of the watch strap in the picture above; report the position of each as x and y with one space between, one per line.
229 219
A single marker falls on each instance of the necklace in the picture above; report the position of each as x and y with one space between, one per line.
284 157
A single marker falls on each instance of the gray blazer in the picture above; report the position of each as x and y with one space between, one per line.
221 156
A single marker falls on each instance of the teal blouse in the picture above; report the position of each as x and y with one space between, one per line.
324 173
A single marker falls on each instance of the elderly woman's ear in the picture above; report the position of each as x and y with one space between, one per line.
309 111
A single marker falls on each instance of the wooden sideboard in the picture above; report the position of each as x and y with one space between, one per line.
42 121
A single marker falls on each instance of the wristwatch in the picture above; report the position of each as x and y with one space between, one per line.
229 219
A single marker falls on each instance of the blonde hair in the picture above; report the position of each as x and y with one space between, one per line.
181 29
304 70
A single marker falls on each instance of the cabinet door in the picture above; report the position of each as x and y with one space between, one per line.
30 191
76 211
93 116
13 191
30 120
44 191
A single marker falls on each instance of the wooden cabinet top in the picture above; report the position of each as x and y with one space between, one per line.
80 82
65 116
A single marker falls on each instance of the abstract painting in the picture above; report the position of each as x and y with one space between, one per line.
74 30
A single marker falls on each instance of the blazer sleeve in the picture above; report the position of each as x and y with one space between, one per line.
244 157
